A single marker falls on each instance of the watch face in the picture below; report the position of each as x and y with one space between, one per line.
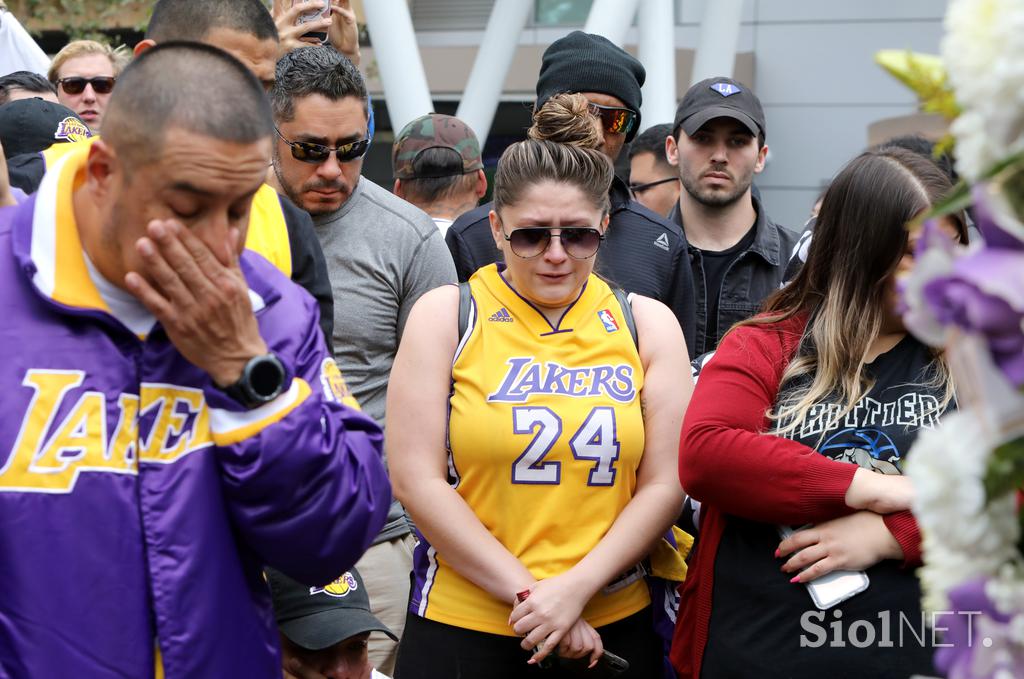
266 377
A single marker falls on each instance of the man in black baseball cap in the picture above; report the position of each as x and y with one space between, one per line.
32 125
324 629
28 126
739 255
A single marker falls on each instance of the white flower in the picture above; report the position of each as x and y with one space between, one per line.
984 54
964 538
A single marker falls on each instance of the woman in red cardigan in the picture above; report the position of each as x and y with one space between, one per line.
803 419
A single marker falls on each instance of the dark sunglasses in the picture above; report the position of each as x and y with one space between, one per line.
640 188
76 85
614 119
579 242
308 152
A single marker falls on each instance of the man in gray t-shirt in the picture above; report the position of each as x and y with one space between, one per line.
382 254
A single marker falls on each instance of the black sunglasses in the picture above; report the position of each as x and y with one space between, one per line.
579 242
614 119
640 188
76 85
308 152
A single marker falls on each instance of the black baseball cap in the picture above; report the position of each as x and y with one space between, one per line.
719 98
318 617
33 125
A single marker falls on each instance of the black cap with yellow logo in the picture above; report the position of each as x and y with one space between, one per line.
319 617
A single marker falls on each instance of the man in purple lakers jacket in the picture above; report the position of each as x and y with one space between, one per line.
171 419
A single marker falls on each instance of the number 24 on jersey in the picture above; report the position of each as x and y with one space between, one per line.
594 441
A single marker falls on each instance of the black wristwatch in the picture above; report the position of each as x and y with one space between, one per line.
262 381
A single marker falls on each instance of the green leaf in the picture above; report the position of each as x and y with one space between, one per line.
958 199
1005 472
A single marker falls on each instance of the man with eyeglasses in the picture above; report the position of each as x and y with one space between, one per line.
244 29
652 181
644 252
84 73
382 254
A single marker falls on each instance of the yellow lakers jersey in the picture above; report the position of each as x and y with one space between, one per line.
545 437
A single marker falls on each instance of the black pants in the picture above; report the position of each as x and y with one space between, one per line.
433 650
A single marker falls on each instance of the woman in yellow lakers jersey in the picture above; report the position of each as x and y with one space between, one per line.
537 452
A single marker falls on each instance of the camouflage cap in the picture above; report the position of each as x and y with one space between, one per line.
435 131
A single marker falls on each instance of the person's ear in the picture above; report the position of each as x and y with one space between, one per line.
481 184
397 190
101 168
496 233
142 46
671 151
762 156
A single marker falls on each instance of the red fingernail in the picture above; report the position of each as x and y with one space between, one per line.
796 578
777 554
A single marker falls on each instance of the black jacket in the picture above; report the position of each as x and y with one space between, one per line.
756 273
642 253
309 268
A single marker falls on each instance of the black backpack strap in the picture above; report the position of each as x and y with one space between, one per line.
465 302
627 313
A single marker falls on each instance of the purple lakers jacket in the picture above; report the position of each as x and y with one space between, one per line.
138 503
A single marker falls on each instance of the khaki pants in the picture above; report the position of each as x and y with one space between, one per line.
385 570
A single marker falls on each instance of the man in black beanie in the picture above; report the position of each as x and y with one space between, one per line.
608 76
644 253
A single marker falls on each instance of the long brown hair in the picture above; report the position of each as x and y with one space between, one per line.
859 239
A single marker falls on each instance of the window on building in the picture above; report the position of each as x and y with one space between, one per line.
561 12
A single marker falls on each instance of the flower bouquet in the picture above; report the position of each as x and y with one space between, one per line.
969 472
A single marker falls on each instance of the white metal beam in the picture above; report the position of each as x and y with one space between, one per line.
611 18
719 39
657 52
493 60
398 57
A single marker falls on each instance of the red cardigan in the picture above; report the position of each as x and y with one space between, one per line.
727 464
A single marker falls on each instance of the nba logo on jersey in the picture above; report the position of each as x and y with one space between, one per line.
610 325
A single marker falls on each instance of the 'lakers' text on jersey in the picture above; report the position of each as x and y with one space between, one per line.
545 437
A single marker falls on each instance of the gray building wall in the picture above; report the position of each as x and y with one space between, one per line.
815 74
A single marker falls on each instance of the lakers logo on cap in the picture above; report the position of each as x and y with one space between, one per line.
72 129
339 588
725 89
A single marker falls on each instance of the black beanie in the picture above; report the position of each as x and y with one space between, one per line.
583 62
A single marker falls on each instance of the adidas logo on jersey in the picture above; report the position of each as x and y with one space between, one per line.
662 242
501 316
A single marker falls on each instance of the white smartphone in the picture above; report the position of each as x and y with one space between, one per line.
313 16
832 588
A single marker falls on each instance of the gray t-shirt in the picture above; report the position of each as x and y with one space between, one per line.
382 253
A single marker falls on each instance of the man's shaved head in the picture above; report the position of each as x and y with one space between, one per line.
208 93
194 19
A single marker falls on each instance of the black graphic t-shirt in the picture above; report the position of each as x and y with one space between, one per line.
763 626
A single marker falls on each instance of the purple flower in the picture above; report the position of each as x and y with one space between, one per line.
995 219
934 256
984 295
977 642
